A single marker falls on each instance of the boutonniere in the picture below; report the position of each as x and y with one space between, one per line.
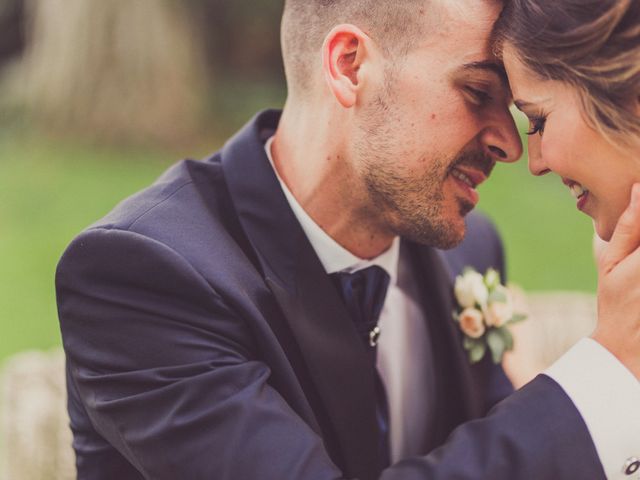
485 312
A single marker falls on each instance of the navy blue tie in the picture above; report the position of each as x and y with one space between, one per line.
363 293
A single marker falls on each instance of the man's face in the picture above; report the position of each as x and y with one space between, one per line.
432 130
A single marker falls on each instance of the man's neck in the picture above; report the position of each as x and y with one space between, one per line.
310 159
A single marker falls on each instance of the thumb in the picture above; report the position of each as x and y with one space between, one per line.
599 247
626 236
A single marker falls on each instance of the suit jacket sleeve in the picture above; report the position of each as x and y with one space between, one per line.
167 372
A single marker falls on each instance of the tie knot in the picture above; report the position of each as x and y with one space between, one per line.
364 293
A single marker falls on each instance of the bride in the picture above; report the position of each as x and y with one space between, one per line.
574 70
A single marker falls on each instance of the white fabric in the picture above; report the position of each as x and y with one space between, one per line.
403 332
607 395
406 366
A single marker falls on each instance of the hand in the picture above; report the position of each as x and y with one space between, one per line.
618 328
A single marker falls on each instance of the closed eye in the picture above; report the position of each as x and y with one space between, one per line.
477 96
537 125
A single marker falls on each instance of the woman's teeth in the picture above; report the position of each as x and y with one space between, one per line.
461 176
578 190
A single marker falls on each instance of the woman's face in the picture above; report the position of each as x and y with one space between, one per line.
599 175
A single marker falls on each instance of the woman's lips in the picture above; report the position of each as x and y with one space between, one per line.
582 200
580 193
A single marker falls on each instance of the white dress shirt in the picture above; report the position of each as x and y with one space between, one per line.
605 393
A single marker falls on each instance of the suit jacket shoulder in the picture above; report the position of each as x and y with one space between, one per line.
481 248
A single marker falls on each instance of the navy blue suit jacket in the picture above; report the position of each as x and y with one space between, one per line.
205 341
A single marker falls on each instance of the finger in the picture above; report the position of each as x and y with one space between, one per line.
626 236
626 271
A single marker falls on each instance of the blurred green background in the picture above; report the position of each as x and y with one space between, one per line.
90 115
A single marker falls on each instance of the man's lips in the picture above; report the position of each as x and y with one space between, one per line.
473 177
468 180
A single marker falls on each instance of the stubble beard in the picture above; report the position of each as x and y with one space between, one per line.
413 208
401 203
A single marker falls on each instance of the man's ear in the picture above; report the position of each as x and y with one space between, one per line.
343 52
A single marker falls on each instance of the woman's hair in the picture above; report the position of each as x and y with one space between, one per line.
593 45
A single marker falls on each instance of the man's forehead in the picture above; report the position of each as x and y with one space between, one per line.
464 35
474 15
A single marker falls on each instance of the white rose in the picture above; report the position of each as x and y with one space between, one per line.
470 289
499 312
471 323
480 292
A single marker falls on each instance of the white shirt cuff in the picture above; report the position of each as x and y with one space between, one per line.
607 395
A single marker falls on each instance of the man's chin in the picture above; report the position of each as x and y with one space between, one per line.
465 207
452 240
444 235
455 229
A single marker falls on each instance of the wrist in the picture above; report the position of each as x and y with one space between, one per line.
629 357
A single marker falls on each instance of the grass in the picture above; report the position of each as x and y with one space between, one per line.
50 190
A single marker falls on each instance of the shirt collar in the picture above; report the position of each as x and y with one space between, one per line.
333 256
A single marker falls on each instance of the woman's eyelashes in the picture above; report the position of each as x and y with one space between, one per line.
537 124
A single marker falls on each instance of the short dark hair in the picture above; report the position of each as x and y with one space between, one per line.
593 45
395 25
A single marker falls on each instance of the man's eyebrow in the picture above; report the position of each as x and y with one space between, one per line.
490 66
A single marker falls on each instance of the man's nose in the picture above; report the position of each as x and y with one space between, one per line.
501 139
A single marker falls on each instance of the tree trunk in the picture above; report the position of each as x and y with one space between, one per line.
113 69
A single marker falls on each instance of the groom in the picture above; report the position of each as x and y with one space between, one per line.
212 323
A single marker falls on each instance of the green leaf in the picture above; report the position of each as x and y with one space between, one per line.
517 318
477 352
496 345
470 343
497 296
507 337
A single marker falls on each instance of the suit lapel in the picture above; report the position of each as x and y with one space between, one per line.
334 355
455 396
338 365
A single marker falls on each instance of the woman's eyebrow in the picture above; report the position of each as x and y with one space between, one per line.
521 104
524 105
